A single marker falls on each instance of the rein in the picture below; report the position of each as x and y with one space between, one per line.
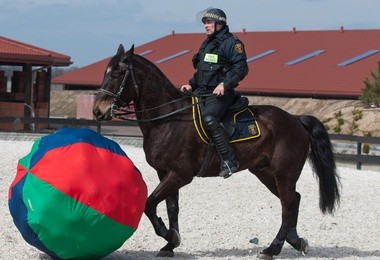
129 70
122 115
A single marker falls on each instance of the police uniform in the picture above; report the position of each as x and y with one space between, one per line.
220 59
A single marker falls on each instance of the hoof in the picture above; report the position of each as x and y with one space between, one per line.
261 255
165 254
174 238
304 246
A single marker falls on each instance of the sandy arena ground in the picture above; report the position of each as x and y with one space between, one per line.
219 217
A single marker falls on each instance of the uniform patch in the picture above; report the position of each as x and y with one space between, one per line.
239 48
252 129
209 57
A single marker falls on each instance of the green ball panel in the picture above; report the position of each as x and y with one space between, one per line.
67 227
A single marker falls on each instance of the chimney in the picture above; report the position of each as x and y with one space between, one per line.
243 30
173 33
294 30
341 29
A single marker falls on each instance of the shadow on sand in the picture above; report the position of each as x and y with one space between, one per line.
287 252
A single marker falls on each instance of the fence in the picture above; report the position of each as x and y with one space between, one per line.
351 151
55 123
357 142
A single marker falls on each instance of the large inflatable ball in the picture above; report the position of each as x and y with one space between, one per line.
77 195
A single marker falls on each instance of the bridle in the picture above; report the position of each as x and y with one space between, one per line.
128 68
121 112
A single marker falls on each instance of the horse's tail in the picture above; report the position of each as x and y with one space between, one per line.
323 163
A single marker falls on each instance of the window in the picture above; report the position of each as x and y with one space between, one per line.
305 57
146 52
172 56
260 55
359 57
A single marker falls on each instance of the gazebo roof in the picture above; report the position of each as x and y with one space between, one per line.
17 53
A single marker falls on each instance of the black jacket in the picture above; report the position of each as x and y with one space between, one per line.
221 58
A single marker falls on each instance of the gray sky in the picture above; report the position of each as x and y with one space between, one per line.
91 30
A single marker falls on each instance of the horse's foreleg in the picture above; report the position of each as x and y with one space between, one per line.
158 225
166 190
173 237
151 213
173 211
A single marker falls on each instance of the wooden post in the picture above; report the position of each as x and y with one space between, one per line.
48 89
99 128
28 91
358 152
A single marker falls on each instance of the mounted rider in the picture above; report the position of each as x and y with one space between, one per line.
221 63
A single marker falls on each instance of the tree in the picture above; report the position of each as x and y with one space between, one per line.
57 71
371 90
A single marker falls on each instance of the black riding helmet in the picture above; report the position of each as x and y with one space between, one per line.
216 15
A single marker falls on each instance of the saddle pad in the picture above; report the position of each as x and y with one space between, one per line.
240 126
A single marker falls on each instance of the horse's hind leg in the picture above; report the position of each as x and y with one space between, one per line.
267 178
292 237
290 199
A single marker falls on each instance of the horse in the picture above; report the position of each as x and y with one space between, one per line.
174 149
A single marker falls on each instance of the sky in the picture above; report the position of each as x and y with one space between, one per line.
91 30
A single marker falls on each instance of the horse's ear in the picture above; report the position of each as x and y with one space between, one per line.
130 52
120 50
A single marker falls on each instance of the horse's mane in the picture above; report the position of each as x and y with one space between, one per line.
156 70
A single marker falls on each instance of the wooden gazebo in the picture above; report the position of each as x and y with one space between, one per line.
29 92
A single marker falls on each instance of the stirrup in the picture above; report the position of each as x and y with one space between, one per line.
228 168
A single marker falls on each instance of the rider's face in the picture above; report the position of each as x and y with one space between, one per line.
209 27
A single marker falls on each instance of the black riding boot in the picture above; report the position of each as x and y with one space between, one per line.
229 164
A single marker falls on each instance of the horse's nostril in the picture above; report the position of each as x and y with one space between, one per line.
97 113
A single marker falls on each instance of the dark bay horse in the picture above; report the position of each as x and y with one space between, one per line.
176 152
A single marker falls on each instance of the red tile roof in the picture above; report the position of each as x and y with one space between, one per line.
14 52
316 76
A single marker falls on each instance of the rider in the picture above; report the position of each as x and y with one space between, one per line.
220 64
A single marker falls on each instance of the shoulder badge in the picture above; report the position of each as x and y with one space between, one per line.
239 48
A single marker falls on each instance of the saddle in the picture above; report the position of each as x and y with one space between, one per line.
239 121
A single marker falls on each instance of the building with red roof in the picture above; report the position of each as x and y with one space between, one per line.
326 63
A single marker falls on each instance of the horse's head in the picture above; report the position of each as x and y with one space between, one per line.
118 86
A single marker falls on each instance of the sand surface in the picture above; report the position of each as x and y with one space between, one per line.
219 217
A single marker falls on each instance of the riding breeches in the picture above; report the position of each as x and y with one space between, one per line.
217 106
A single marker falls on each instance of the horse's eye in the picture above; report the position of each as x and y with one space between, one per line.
116 73
122 66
